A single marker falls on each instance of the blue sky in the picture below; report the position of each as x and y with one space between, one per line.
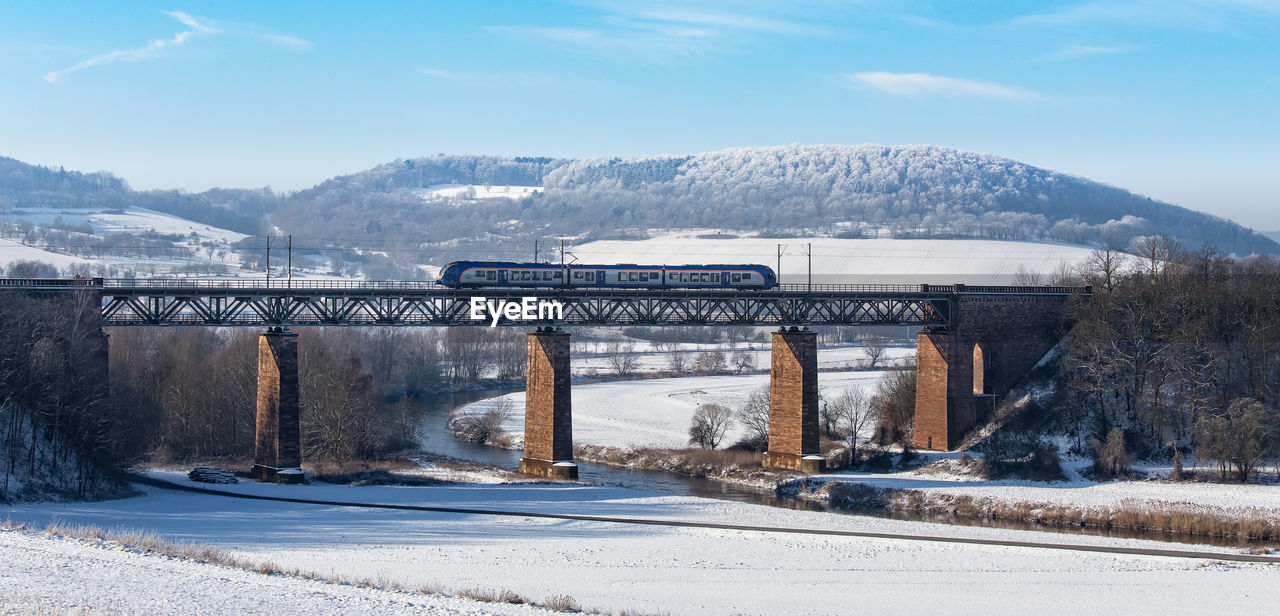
1175 99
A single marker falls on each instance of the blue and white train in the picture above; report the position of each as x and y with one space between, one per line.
460 274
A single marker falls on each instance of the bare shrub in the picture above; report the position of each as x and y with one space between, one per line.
744 361
561 603
710 423
1110 458
485 427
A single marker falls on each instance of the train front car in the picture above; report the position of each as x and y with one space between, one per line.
448 275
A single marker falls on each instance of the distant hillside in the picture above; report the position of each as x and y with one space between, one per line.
913 190
23 185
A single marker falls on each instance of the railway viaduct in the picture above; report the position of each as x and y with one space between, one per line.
975 343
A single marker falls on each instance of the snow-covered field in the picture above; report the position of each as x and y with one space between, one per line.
466 192
864 261
611 567
210 246
656 412
594 359
125 220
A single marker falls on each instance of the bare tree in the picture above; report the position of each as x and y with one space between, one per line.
1242 437
710 362
754 417
853 413
744 361
874 346
1027 278
710 423
622 358
1111 459
678 360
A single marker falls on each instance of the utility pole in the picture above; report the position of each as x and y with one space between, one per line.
290 274
778 272
268 261
535 251
563 272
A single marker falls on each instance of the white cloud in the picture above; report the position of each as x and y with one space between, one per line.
1075 52
199 26
1195 14
924 84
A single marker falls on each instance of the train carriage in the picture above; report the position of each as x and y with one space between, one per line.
462 274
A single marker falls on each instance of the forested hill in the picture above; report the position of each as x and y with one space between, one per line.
913 190
32 186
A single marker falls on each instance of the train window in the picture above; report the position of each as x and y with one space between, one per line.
558 275
653 275
631 276
526 275
577 275
715 277
591 276
703 277
546 275
737 277
746 276
644 276
491 275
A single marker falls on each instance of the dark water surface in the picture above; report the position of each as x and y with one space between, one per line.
434 435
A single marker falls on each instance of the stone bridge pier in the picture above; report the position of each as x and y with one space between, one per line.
793 402
962 371
278 441
548 417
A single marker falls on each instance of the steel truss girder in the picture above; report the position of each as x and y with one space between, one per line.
157 306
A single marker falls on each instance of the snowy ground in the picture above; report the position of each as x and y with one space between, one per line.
44 575
868 261
467 192
607 566
656 412
594 359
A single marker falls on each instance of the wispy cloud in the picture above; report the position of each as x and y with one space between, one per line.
1197 14
198 27
924 84
663 32
1076 52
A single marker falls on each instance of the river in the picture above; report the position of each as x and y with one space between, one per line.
434 435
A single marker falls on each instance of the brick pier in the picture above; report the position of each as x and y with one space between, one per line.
793 402
278 451
961 372
548 417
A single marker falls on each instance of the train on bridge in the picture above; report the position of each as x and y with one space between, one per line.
475 274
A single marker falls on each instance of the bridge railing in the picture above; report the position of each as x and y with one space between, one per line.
262 283
32 283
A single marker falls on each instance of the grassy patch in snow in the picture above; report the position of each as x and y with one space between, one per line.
733 465
1173 518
